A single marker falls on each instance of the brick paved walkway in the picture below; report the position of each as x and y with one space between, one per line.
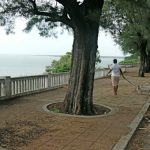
24 125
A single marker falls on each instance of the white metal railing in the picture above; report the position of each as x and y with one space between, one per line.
100 73
28 84
18 86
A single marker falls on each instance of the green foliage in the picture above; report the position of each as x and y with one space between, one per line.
125 20
64 63
133 59
2 21
98 58
43 15
46 15
130 62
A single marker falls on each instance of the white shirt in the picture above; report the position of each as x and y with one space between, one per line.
115 70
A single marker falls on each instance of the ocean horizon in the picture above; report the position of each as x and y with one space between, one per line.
25 65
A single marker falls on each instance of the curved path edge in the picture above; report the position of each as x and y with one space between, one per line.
112 111
124 141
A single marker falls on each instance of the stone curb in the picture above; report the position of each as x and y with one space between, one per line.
112 111
124 141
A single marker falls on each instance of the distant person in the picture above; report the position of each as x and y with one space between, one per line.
115 71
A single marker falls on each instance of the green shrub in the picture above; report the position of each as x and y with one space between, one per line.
64 63
130 61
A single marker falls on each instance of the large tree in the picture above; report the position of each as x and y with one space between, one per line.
83 18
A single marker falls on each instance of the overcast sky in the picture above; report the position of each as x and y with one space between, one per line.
32 43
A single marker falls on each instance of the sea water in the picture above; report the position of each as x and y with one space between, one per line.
25 65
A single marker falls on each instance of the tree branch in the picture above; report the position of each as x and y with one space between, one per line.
62 19
93 4
68 2
34 4
51 16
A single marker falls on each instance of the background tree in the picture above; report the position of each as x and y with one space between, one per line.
83 18
147 60
129 25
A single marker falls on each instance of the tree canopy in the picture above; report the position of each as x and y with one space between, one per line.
46 15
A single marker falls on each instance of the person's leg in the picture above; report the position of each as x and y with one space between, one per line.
117 83
113 84
116 89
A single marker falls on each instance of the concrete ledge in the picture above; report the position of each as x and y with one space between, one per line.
144 89
124 141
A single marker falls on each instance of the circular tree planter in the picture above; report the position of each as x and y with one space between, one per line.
58 108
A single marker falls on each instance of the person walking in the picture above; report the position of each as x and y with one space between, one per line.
115 71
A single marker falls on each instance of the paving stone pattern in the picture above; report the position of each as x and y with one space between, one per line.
29 125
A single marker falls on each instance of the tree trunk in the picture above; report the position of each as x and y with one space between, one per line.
142 57
142 65
79 97
147 63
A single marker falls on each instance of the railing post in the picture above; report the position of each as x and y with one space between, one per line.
7 86
49 80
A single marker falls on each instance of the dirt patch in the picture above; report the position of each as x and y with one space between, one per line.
59 108
141 138
19 134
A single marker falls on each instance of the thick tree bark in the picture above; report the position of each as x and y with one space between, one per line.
85 20
142 65
147 63
79 97
142 57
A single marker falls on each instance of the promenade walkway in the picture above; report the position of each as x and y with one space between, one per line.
24 125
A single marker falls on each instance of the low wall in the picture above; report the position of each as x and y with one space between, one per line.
20 86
